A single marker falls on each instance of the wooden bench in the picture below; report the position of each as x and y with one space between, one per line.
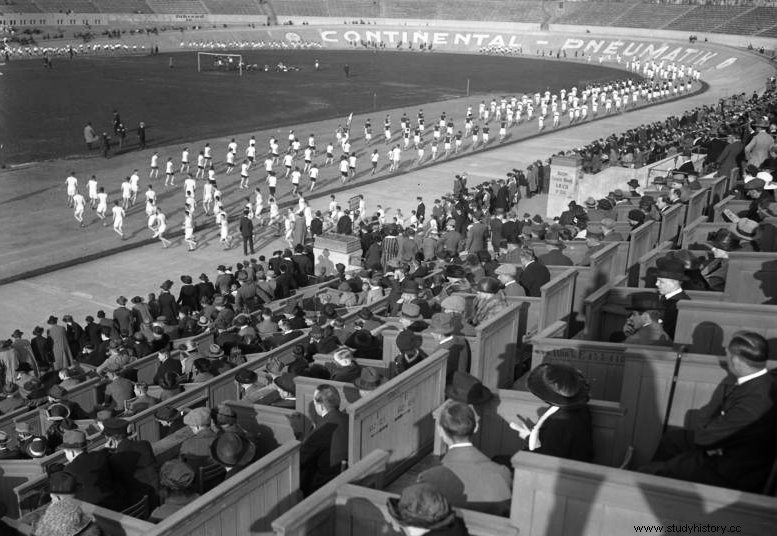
697 231
637 377
752 277
647 264
495 437
736 206
493 349
245 503
397 416
556 496
356 510
707 327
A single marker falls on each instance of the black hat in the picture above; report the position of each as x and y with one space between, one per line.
489 285
645 301
286 382
723 239
670 268
467 389
637 216
52 320
407 341
421 505
167 285
232 449
245 376
62 483
186 279
24 367
114 427
558 384
456 271
369 379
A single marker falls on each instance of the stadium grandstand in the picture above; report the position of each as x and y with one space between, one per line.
507 267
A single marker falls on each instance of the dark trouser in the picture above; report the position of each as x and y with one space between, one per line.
248 241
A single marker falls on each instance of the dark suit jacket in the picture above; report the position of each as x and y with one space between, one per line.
741 420
95 482
323 451
135 464
188 295
670 312
555 258
304 268
246 227
283 285
568 433
168 308
122 319
316 227
282 338
476 238
469 479
533 277
205 289
345 225
171 365
420 211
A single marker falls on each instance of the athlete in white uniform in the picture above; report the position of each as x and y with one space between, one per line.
161 227
230 161
126 193
185 160
72 186
154 173
118 219
224 230
188 230
313 176
79 203
169 172
134 185
244 174
102 204
200 166
91 187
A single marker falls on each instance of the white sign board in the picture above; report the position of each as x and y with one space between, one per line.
565 175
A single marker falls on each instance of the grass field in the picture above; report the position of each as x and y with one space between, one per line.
43 112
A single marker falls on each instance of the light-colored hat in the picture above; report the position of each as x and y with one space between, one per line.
62 518
197 417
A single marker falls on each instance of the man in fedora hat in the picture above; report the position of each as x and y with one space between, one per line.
565 429
167 363
91 470
422 509
410 353
720 242
188 294
343 367
446 331
196 451
119 390
168 306
731 441
369 380
122 316
60 348
251 389
645 323
132 461
287 391
410 317
233 451
326 448
670 273
466 477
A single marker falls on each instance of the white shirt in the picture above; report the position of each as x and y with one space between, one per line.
185 156
92 186
71 182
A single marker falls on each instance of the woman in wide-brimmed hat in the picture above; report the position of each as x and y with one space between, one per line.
565 429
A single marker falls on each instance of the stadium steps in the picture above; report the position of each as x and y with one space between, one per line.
651 15
771 32
706 18
750 23
302 8
178 7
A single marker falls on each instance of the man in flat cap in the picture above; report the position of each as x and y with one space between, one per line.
195 451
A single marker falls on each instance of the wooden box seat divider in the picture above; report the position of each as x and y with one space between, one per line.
356 510
557 496
642 239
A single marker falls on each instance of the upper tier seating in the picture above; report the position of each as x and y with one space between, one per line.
19 6
178 7
515 11
65 6
231 7
593 13
752 22
650 15
706 18
122 6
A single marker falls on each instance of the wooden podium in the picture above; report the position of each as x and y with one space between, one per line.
332 248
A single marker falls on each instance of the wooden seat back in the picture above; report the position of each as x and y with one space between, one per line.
557 496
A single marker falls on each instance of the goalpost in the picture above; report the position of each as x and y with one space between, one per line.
214 61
